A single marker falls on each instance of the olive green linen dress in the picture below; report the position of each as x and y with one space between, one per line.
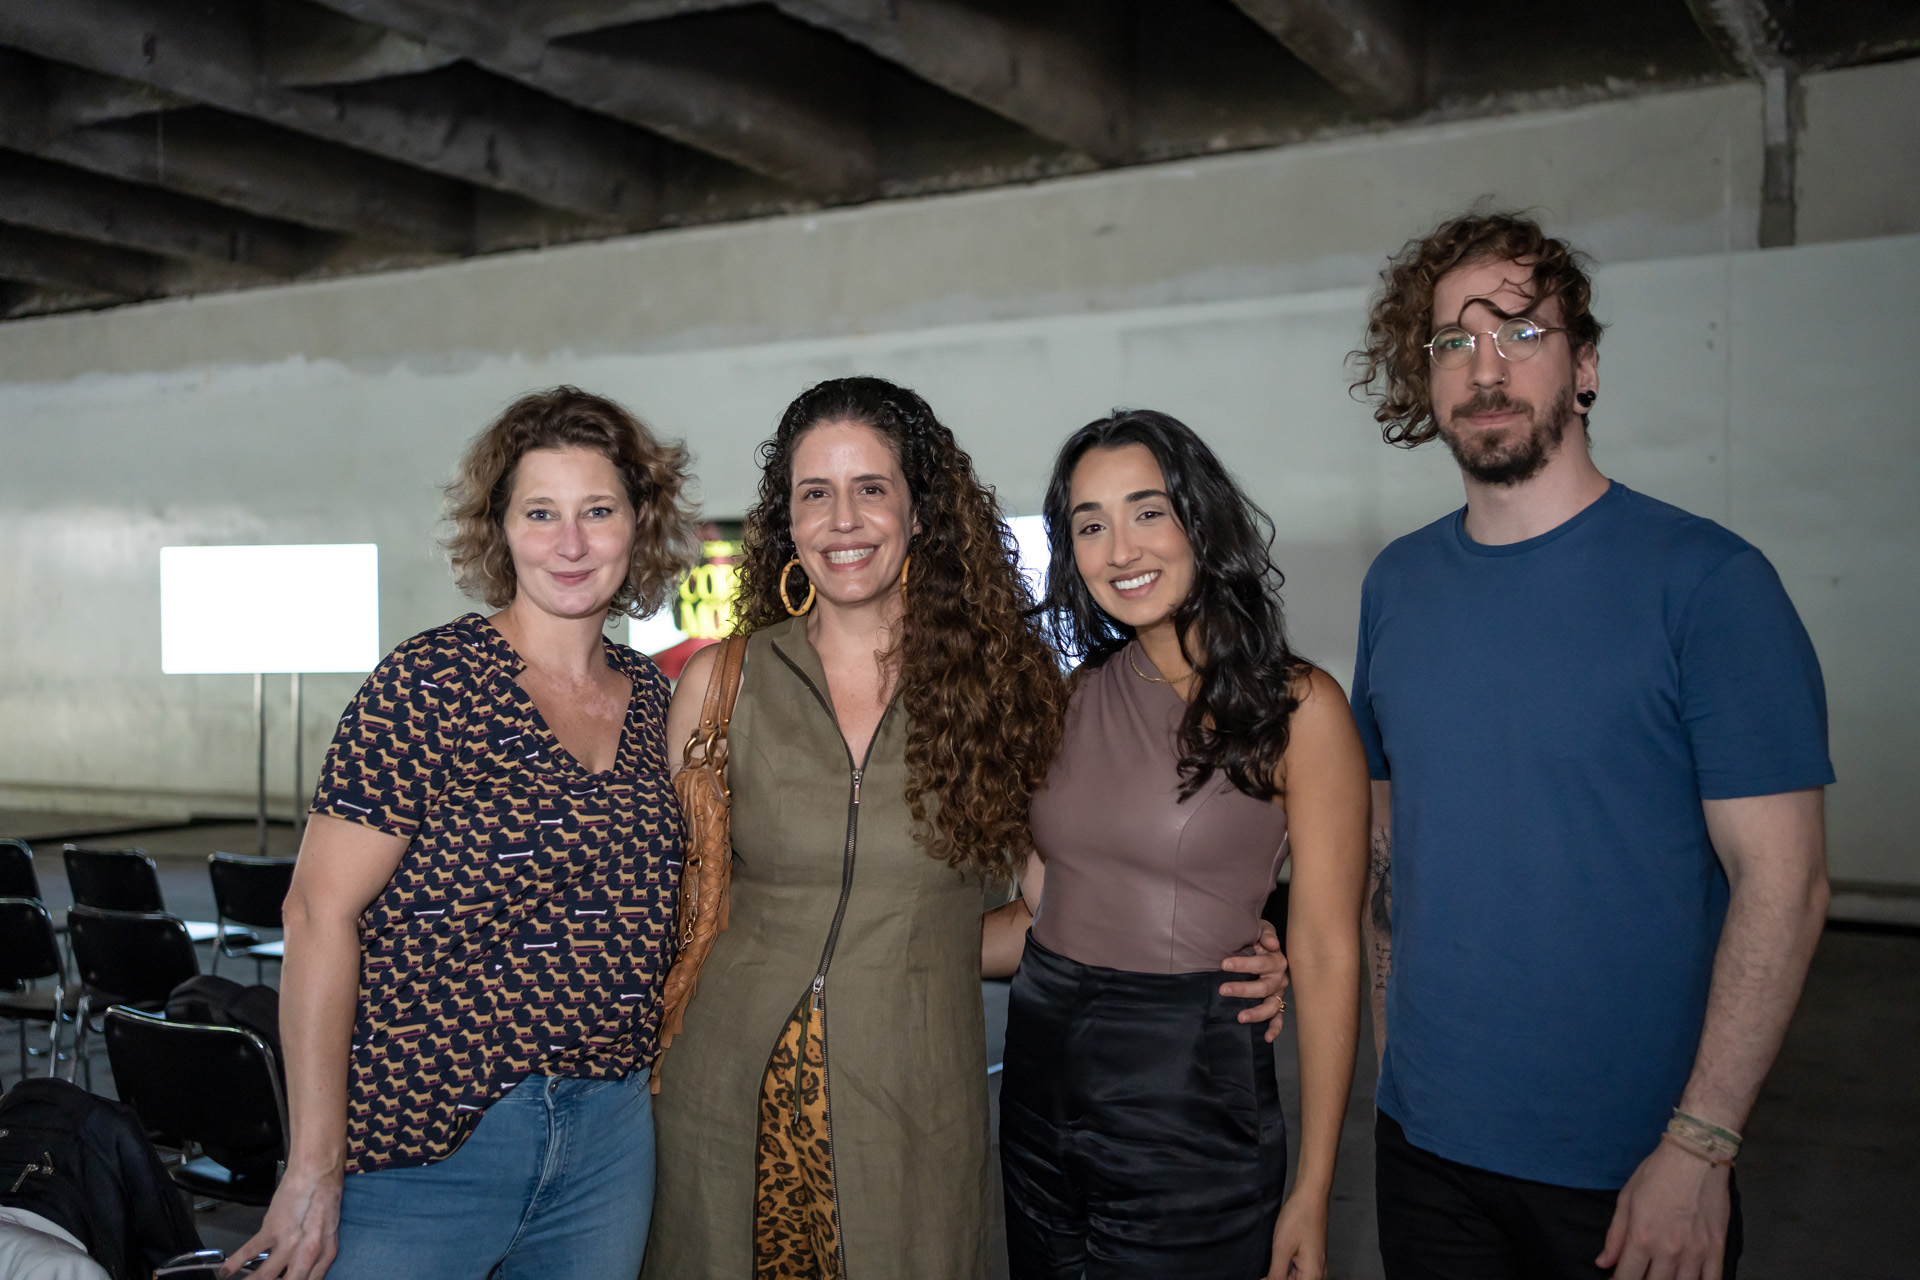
815 839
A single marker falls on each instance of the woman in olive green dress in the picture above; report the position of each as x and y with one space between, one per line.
824 1112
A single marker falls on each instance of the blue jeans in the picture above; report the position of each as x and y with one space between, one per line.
556 1183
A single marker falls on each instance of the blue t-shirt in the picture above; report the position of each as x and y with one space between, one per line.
1551 713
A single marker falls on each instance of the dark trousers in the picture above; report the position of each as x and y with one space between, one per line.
1140 1126
1442 1220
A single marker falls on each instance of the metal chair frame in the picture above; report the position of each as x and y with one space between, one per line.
50 964
81 922
222 869
137 888
185 1174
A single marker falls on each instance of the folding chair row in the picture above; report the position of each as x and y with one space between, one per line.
247 892
128 880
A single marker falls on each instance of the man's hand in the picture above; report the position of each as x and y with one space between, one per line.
301 1230
1671 1220
1270 983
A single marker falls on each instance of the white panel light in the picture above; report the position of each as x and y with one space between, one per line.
242 610
657 632
1030 536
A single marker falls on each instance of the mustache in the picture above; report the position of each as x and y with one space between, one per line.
1491 401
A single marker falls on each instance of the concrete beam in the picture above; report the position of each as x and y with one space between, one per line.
1064 81
239 163
1370 50
553 19
206 50
305 46
18 299
68 202
1745 33
59 263
89 100
740 107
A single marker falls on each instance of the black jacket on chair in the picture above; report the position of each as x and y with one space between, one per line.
84 1162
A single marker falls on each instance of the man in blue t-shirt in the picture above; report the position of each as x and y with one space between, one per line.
1597 733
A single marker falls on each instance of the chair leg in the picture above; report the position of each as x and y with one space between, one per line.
22 1024
80 1041
53 1031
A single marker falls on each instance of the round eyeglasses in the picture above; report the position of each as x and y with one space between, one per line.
1516 339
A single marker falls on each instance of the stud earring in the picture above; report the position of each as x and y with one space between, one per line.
1586 398
786 600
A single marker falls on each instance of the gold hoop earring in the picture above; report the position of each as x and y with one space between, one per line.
786 569
903 571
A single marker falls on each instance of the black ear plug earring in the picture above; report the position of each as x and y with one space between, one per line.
1586 398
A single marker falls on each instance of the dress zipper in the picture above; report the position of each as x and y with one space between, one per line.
816 1000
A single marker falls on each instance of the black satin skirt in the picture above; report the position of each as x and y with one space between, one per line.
1140 1126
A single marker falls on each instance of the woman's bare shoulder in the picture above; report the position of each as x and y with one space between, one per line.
1323 714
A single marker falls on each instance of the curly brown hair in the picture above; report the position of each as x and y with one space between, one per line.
1392 364
983 692
654 472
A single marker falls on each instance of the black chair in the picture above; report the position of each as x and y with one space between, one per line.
128 880
17 879
248 890
133 958
29 952
209 1088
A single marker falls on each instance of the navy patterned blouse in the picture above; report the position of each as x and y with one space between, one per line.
528 926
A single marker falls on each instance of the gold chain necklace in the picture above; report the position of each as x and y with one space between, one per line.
1153 679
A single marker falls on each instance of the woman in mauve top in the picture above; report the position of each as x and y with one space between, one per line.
1140 1124
481 916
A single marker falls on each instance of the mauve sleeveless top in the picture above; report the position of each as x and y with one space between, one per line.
1137 879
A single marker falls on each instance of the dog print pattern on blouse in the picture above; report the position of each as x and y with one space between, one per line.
528 926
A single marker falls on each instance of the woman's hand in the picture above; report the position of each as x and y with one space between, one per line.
1003 939
1269 965
343 866
1300 1239
301 1230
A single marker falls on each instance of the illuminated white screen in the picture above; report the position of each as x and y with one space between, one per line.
655 633
269 609
1030 535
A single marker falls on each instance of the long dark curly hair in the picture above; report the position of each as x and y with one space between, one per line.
1392 366
1242 708
984 694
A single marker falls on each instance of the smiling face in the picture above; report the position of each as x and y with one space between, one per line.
851 513
1127 544
1505 420
570 529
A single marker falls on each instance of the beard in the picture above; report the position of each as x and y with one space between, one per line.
1515 455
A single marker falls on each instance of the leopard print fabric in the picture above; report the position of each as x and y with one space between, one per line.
796 1226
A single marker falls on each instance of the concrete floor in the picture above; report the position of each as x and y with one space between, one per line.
1830 1173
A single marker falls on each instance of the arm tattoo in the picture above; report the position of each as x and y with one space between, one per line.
1380 873
1380 906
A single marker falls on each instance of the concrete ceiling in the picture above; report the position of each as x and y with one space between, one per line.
159 147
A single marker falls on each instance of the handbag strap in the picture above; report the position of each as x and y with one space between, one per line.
716 711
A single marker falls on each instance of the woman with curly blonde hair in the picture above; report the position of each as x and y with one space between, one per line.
481 916
824 1112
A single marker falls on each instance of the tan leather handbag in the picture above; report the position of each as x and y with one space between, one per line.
706 869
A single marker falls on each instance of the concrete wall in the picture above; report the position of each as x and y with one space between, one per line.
1752 387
